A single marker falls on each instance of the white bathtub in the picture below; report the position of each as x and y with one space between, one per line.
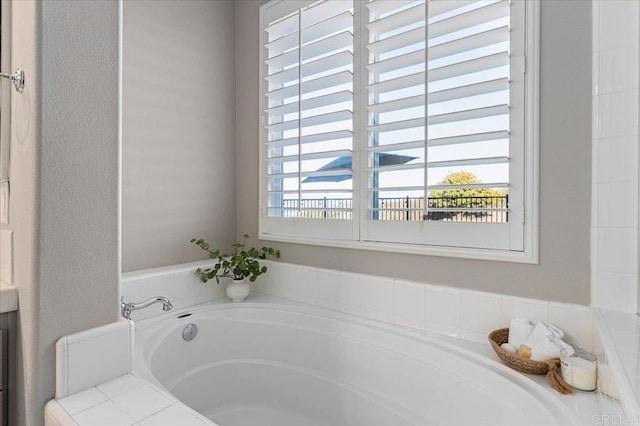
273 363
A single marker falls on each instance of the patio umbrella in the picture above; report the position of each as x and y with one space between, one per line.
345 162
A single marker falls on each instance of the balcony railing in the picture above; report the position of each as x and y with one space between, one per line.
449 209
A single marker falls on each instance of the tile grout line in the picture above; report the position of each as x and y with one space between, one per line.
153 414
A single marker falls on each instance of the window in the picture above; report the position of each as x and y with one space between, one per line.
402 125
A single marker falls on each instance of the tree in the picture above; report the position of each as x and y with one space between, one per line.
465 198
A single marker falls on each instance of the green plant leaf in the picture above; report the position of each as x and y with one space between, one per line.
243 263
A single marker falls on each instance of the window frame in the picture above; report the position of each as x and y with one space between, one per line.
321 232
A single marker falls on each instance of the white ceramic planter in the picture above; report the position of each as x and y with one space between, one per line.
238 290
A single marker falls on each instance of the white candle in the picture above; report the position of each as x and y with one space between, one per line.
583 373
579 370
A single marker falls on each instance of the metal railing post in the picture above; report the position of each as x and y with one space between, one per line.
324 212
406 203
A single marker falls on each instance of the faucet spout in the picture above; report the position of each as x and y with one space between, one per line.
127 308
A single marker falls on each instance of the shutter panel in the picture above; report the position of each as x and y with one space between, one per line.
438 103
308 109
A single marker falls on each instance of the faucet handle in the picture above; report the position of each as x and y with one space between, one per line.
125 309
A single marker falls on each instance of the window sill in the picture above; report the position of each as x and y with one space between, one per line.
529 256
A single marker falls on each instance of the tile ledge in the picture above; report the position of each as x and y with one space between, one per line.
165 270
56 415
8 298
612 348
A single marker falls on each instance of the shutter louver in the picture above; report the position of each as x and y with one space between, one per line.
438 103
309 109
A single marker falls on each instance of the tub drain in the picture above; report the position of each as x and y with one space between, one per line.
190 332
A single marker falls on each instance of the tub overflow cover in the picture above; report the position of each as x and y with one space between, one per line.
190 332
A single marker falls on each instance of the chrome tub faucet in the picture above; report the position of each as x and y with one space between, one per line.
127 308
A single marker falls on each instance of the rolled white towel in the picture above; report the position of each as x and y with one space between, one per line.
557 331
519 331
548 347
543 329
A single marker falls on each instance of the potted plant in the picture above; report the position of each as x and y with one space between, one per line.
242 266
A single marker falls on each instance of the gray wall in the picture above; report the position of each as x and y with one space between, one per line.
565 137
178 130
5 96
64 183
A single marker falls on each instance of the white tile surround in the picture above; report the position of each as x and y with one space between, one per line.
77 355
615 220
95 384
456 312
614 217
123 401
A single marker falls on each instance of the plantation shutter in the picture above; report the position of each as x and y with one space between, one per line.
307 59
445 102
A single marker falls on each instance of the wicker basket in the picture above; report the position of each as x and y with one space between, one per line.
514 361
551 368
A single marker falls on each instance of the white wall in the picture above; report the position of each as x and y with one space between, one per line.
178 130
64 183
614 233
